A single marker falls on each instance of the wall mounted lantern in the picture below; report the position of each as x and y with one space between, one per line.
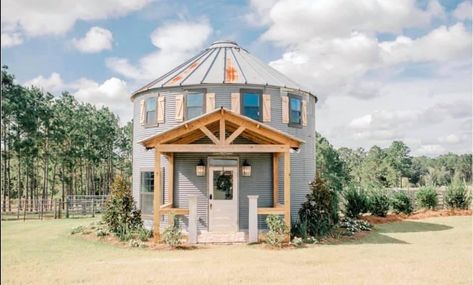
200 168
246 168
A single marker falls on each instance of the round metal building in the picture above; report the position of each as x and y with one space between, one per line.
221 141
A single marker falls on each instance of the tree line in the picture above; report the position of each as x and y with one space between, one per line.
389 167
53 146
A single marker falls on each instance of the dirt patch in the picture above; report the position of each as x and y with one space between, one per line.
423 214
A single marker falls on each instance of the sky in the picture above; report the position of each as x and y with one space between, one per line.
382 70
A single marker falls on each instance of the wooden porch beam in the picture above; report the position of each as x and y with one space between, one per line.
209 134
157 196
222 131
175 211
171 178
287 189
271 211
275 179
211 148
234 135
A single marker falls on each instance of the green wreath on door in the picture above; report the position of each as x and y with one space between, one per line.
224 183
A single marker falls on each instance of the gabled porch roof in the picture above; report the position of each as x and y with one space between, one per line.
222 127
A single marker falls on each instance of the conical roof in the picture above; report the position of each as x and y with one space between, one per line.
224 62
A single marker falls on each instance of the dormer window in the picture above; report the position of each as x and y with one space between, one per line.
295 110
151 111
194 104
251 104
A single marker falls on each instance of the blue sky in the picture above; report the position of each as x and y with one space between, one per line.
383 70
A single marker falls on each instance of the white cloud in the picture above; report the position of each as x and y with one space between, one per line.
95 40
52 83
340 65
450 139
112 93
176 42
429 150
463 11
335 18
441 44
33 18
11 39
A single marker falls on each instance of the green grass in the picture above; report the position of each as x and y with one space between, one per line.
431 251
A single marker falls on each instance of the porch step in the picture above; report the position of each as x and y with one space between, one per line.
217 237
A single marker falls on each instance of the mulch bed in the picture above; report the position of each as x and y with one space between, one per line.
423 214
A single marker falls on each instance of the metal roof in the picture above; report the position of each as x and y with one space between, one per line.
224 62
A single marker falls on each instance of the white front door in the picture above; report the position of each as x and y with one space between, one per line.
223 199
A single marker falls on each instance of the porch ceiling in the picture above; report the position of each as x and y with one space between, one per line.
212 124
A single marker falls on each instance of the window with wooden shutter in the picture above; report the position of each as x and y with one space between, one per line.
236 103
179 108
142 112
266 108
285 109
161 109
304 113
210 102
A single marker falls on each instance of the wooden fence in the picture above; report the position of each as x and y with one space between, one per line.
74 206
412 192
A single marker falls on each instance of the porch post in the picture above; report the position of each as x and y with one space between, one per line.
253 218
192 225
287 189
275 179
170 174
157 195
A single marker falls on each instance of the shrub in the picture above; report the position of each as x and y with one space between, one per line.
457 197
299 229
123 232
298 242
401 203
320 211
172 234
427 197
277 230
356 201
120 208
352 226
77 230
144 234
135 243
379 203
101 232
311 240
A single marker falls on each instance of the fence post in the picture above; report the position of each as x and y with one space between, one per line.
59 205
192 230
18 209
67 207
93 207
253 218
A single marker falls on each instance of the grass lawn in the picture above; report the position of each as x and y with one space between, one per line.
430 251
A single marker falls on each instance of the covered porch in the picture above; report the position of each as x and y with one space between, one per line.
217 133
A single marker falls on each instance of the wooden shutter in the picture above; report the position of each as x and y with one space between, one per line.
236 103
266 108
210 102
304 113
160 112
285 109
142 112
179 108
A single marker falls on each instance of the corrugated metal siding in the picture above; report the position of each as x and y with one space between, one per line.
302 163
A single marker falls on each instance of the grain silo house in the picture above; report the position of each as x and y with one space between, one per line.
221 141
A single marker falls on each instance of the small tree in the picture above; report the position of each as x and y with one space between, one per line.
402 203
320 211
427 197
356 201
379 202
457 196
120 213
277 230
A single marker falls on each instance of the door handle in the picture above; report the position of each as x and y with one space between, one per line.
210 206
210 197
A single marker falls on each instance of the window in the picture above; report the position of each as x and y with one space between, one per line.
251 104
295 110
147 182
194 104
151 111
